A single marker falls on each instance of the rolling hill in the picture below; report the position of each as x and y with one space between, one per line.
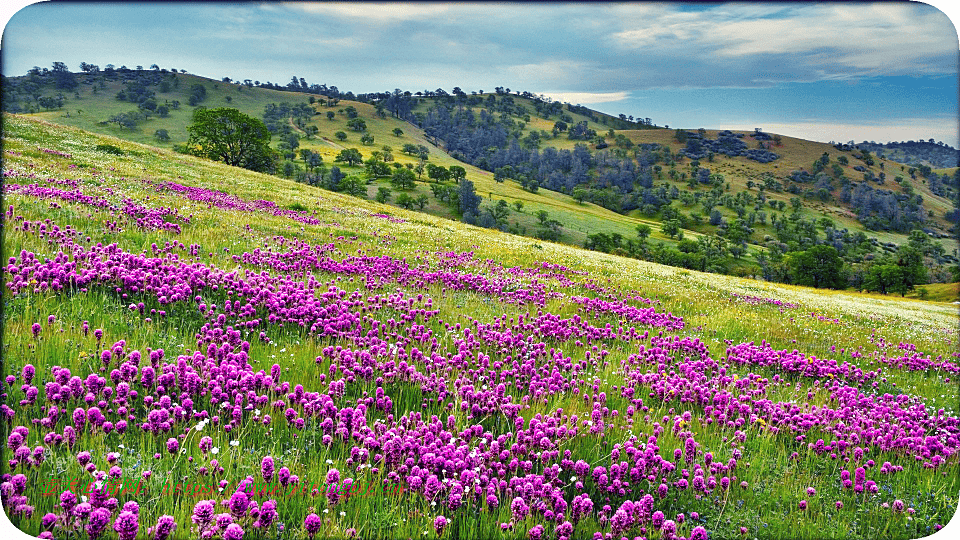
739 191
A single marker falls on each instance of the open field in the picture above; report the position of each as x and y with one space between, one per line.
393 374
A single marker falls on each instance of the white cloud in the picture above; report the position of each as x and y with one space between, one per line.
587 97
901 129
374 11
846 40
549 70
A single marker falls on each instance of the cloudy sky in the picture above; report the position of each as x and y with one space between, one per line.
823 71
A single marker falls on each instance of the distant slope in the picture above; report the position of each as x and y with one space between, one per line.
936 155
94 102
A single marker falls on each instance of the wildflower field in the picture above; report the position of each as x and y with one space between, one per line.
192 350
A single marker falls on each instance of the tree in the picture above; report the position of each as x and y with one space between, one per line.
353 185
357 124
232 137
671 228
351 156
884 277
910 260
383 195
405 201
161 135
457 173
819 266
499 212
331 115
402 179
437 173
469 200
63 77
366 139
398 132
340 135
643 232
198 93
376 168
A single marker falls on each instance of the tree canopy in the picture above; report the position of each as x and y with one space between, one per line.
232 137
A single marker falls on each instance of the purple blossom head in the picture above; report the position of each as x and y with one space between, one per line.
266 469
28 372
203 513
233 532
173 445
519 509
440 524
238 503
99 519
48 521
312 524
126 525
67 501
898 506
82 510
268 514
14 440
165 527
657 519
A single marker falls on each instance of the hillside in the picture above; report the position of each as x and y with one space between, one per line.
187 325
629 177
932 154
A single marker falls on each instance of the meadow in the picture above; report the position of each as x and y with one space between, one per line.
95 102
171 321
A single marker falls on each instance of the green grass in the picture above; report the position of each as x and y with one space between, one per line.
579 220
767 506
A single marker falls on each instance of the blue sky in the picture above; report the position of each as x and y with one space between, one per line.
823 71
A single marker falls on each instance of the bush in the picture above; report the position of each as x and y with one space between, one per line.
110 149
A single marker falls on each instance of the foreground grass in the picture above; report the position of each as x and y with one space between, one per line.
823 323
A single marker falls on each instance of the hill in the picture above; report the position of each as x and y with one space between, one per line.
188 325
595 181
932 154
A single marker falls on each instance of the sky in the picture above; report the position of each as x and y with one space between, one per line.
823 71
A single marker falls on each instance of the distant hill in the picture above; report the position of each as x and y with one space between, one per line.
933 154
730 201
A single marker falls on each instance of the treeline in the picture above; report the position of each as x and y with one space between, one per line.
837 259
935 153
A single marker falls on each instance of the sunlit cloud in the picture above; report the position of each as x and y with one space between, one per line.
901 129
374 11
587 97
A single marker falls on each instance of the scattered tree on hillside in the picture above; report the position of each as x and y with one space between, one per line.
351 156
819 266
232 137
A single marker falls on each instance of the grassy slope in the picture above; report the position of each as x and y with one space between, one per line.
579 220
768 507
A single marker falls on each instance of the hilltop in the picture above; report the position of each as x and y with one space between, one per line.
733 201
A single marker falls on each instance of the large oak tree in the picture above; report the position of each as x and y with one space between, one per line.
232 137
